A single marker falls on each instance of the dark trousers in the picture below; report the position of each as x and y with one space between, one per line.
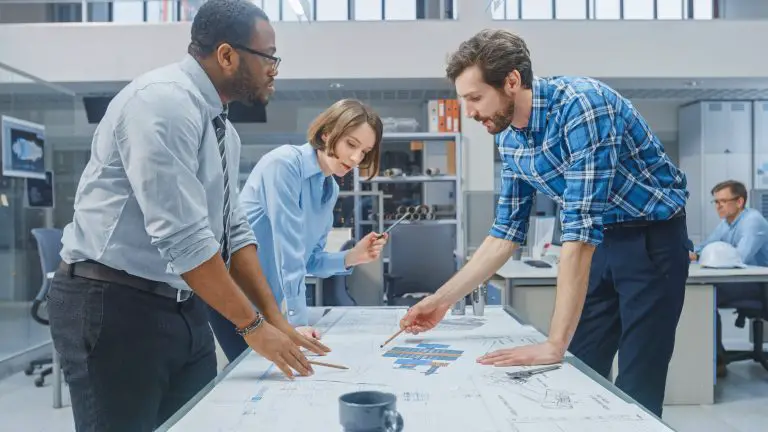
735 295
131 358
230 342
634 300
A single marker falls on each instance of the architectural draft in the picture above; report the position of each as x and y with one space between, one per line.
430 356
431 375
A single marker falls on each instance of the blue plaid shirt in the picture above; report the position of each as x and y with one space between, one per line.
589 149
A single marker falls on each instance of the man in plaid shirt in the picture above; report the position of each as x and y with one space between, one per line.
624 261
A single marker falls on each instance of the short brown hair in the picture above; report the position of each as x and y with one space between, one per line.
737 188
496 53
338 120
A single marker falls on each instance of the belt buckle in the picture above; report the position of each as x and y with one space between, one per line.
182 298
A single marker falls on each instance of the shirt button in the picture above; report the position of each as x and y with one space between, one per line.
291 312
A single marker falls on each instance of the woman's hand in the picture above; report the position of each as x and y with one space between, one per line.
309 332
366 250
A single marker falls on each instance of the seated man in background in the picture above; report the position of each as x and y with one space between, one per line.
747 230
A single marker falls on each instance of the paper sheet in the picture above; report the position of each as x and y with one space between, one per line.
435 376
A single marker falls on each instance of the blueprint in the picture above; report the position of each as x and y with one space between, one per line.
435 376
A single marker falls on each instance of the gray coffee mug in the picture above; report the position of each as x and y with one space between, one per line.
369 411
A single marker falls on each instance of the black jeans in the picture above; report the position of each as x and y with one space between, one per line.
131 358
634 300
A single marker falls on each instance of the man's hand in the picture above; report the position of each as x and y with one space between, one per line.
299 339
424 315
309 332
530 355
366 250
278 348
692 256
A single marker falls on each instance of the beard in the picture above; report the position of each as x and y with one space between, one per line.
501 120
246 90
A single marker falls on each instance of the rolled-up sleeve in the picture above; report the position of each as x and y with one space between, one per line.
513 209
241 234
158 137
591 131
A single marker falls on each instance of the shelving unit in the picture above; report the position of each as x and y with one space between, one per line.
413 154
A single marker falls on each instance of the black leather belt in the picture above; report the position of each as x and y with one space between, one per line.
97 271
642 223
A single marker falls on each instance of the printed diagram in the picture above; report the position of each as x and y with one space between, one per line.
429 356
534 390
462 323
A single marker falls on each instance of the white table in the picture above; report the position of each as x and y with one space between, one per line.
691 378
448 392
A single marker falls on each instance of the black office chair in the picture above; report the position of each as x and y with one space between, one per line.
421 260
756 310
338 294
48 246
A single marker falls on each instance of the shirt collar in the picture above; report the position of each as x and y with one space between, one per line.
309 160
738 218
540 104
200 79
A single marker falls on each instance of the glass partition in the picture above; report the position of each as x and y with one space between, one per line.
36 118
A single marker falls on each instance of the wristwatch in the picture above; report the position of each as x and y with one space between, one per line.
250 328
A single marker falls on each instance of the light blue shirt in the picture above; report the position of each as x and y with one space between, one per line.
289 205
748 233
151 199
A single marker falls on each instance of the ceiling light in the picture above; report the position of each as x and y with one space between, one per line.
336 85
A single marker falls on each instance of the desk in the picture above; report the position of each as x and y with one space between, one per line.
251 395
691 377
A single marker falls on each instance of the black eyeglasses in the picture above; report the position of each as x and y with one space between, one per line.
275 60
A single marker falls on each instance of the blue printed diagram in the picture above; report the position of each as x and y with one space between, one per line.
429 356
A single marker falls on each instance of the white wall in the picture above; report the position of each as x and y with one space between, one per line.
337 50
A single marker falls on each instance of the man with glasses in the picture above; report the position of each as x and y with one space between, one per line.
157 234
747 230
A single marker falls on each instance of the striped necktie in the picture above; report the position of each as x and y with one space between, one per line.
220 125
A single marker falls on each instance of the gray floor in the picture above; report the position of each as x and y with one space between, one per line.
742 398
18 331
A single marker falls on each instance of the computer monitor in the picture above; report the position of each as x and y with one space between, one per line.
557 231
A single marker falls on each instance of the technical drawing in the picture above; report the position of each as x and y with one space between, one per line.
462 323
431 356
557 399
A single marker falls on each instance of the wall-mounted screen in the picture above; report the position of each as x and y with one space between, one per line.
23 145
40 192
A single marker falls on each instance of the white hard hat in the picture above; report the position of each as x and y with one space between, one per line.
720 255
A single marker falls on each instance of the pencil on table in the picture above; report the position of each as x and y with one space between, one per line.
390 339
330 365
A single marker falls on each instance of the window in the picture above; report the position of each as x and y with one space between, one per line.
606 9
271 8
499 9
536 9
126 12
571 9
638 9
162 11
702 9
512 9
669 9
332 10
368 10
400 9
289 13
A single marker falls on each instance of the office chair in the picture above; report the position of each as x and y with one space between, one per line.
48 247
756 310
339 295
421 260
